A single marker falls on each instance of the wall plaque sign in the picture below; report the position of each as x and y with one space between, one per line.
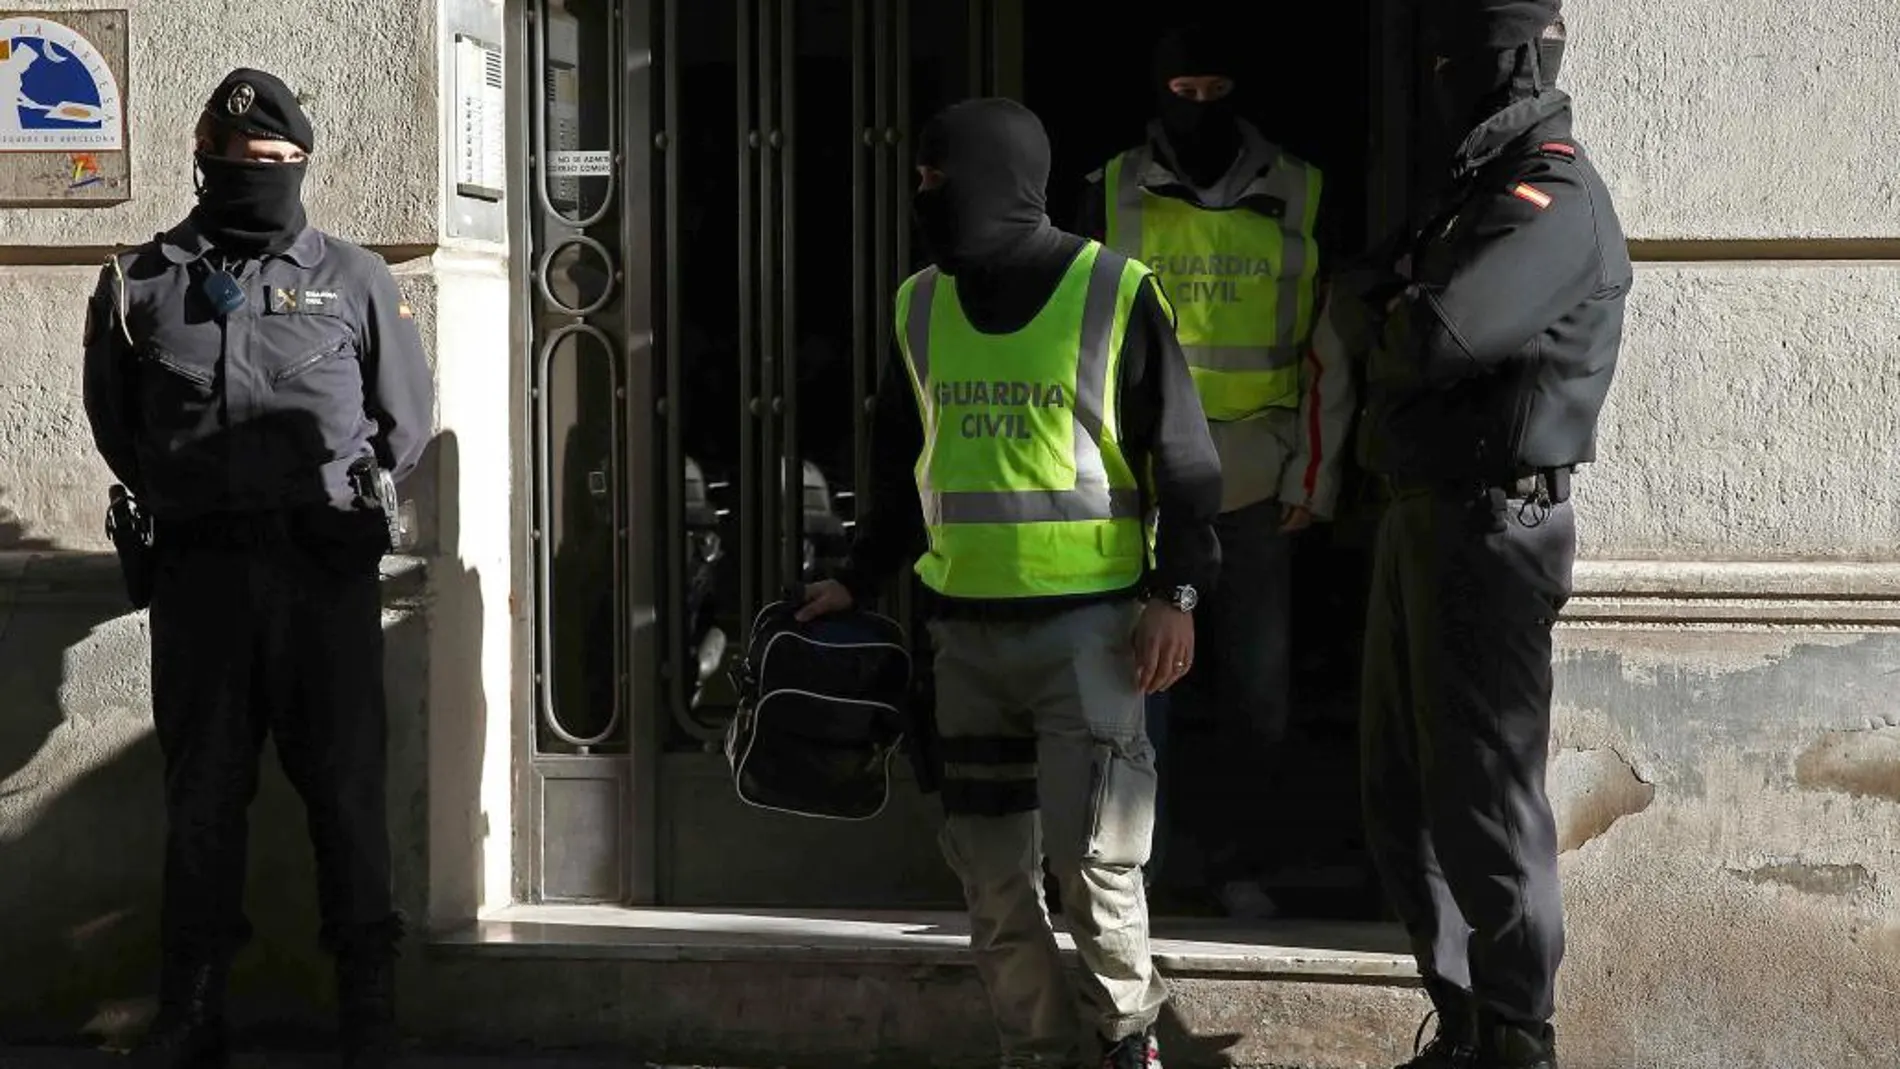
64 137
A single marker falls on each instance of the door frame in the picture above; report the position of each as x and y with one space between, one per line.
649 187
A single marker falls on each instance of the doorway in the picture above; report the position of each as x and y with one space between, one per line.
1310 91
720 213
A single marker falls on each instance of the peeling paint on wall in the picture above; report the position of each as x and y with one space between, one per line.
1841 881
1865 764
1590 790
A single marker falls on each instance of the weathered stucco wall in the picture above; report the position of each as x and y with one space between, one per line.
1734 119
1752 417
368 68
1731 803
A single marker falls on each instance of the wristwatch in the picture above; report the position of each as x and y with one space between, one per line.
1182 598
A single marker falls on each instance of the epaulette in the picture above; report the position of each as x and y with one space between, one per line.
118 288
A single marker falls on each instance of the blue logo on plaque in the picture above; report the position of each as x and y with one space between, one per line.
56 92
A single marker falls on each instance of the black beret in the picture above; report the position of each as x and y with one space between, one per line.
1463 26
260 105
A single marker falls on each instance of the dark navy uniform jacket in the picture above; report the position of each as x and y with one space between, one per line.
1499 357
266 409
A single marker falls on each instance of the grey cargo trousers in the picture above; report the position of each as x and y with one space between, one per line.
1455 731
1046 754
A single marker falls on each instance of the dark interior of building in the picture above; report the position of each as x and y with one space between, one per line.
775 277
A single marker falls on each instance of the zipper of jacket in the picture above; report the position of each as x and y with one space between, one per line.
304 365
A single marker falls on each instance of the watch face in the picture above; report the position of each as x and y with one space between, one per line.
1186 598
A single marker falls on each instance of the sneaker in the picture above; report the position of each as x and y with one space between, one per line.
1140 1051
1445 1051
1245 900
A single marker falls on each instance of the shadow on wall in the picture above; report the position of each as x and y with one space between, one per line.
81 784
442 873
13 535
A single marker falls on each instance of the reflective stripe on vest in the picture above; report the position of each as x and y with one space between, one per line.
1242 284
1024 487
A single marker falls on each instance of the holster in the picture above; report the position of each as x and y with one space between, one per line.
131 534
376 492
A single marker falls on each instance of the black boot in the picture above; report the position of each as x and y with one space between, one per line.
366 994
190 1031
1139 1051
1508 1045
1453 1047
366 1009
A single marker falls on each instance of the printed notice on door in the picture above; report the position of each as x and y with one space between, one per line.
570 164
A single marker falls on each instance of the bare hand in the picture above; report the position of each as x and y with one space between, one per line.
1295 518
825 598
1164 647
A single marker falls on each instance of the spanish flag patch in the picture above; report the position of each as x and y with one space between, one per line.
1526 191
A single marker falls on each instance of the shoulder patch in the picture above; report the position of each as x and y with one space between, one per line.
1526 192
1558 148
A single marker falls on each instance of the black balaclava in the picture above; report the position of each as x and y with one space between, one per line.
1205 136
1494 52
994 155
251 208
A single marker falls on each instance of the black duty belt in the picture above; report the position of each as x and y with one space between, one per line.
1548 485
261 528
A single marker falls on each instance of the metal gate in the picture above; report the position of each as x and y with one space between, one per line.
720 211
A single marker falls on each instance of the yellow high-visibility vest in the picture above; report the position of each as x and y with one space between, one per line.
1242 283
1025 489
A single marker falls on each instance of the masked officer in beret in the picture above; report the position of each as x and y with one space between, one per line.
244 375
1505 320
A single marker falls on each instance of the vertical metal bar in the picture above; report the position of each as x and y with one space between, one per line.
523 233
864 345
667 646
900 148
793 509
1006 49
898 151
771 465
1395 73
976 19
883 243
749 403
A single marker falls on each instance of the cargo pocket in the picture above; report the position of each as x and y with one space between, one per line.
1121 807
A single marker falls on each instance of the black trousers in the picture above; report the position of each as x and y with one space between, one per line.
1455 729
1241 686
279 638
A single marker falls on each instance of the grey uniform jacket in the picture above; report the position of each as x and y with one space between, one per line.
1289 455
268 407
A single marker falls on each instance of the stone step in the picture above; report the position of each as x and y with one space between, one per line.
874 989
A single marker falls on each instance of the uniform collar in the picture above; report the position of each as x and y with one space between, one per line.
186 244
1257 156
1546 114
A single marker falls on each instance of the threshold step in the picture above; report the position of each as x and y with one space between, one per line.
1290 949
